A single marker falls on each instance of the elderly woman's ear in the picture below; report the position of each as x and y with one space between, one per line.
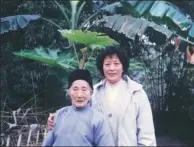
91 91
67 93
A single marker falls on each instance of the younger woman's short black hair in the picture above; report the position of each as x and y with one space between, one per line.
109 51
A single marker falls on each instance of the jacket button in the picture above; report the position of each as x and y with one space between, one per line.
110 115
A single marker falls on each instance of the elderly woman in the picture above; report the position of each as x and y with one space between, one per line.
79 124
122 100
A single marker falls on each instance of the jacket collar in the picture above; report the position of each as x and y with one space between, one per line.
134 86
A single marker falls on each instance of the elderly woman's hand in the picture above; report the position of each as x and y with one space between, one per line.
50 122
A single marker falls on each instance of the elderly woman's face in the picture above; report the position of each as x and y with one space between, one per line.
80 93
112 68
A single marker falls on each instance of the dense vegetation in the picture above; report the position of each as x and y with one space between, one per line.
163 70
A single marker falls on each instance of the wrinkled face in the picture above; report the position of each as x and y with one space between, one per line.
112 68
80 93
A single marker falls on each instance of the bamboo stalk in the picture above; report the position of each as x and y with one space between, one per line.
37 136
8 140
45 132
19 139
29 136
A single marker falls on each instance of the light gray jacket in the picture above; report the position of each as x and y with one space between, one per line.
136 126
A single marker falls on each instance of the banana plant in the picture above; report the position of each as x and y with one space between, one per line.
73 19
75 13
16 22
162 13
133 18
84 57
73 25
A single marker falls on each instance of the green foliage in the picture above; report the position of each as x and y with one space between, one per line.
88 38
91 39
60 61
73 19
136 65
60 55
49 57
17 87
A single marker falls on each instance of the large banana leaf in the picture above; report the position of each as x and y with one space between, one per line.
88 38
49 57
131 26
16 22
160 12
166 11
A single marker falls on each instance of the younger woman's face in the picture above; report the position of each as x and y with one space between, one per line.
112 68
